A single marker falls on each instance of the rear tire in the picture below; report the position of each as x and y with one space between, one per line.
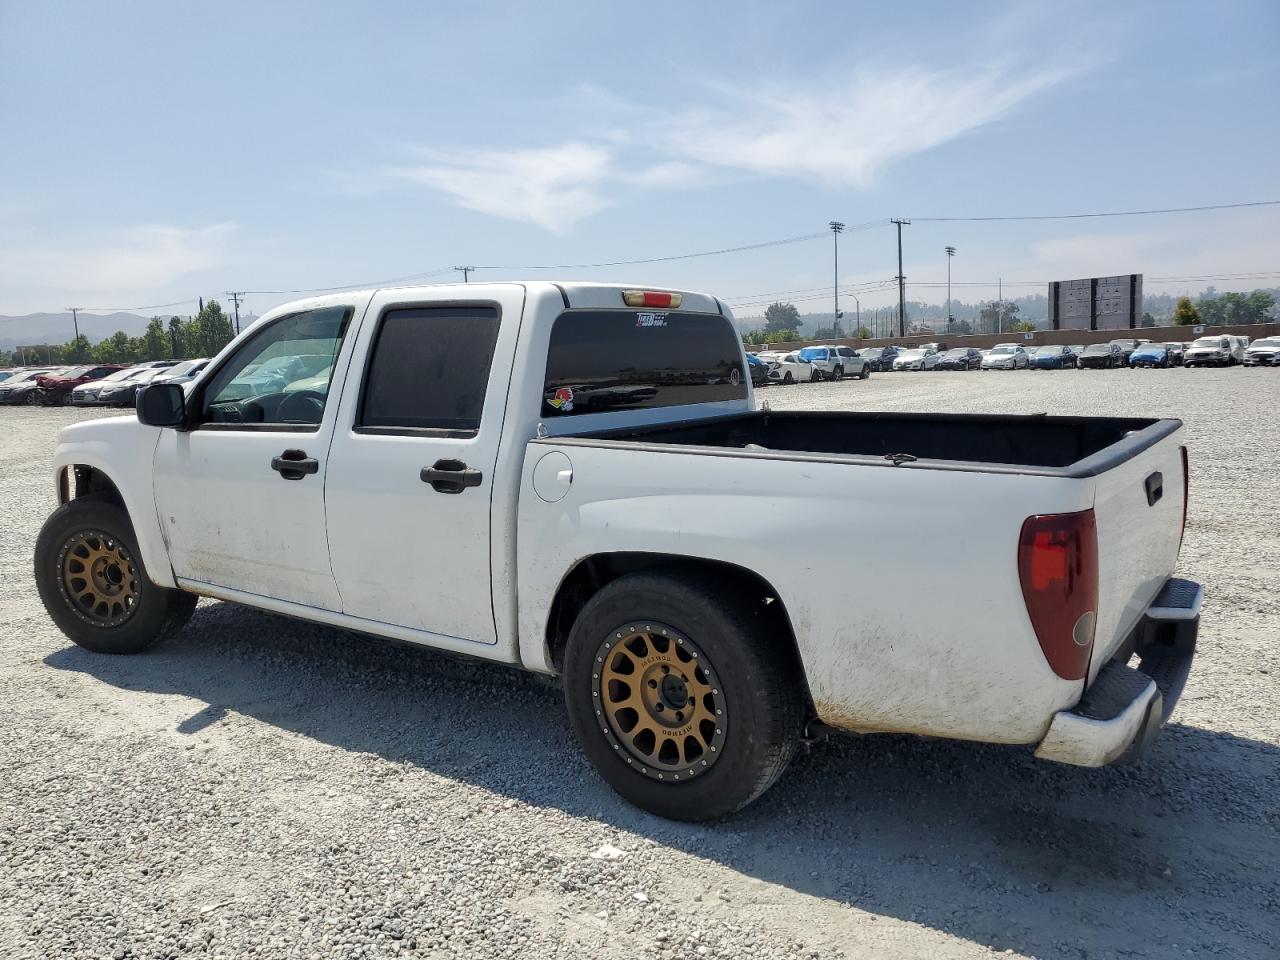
837 373
814 375
746 718
91 579
788 378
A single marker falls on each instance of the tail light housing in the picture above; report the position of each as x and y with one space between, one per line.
1058 567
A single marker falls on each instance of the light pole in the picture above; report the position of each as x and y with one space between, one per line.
836 228
951 252
857 306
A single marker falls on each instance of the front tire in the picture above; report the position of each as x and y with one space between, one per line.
837 373
93 584
652 649
814 375
788 378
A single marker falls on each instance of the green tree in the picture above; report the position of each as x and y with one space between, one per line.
863 333
78 350
177 340
1148 320
782 316
1185 313
1022 326
999 317
155 342
213 329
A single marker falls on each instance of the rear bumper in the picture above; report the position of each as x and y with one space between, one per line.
1124 708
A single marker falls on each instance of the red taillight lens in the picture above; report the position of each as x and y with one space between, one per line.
1186 496
1058 567
651 298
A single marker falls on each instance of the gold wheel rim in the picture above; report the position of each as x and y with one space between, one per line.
99 578
659 702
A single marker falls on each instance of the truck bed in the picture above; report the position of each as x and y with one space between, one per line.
1060 446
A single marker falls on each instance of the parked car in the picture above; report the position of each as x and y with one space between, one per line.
1177 352
1101 356
1006 356
1127 345
1263 353
960 358
933 347
276 373
1239 348
791 368
879 358
56 387
853 363
1215 351
183 371
122 393
1076 348
22 387
1053 357
6 374
759 370
447 490
832 363
87 393
916 359
1151 355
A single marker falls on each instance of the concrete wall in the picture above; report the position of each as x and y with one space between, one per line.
1041 337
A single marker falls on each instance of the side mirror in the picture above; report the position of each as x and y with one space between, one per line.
161 405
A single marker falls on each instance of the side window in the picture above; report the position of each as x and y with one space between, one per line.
281 375
429 369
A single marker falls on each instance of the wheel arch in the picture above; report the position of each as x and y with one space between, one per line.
78 480
591 574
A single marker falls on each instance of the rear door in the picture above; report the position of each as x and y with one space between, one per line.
410 486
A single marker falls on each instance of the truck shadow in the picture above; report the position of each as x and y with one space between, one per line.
982 842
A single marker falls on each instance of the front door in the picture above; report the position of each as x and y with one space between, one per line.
240 494
411 480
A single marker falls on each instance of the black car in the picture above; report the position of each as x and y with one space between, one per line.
1127 345
961 358
1102 356
879 358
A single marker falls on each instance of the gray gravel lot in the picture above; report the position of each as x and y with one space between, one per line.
262 787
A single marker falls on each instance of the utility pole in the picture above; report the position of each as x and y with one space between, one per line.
1000 305
236 296
902 283
836 228
857 306
75 318
951 252
466 273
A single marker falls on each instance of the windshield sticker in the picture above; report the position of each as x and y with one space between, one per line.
651 319
563 400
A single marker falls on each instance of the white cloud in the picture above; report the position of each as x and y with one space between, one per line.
553 187
136 259
844 132
849 133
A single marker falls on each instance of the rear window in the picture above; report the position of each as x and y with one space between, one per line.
602 360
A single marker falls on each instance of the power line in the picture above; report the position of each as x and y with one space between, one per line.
1117 213
357 286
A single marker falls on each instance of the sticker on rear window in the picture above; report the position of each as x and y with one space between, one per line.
651 319
563 399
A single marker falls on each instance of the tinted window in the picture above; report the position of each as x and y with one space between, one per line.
429 369
622 359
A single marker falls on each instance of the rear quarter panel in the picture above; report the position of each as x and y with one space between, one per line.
903 592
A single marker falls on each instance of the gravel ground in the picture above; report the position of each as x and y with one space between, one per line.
262 787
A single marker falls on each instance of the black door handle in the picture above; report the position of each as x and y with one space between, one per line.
450 476
294 464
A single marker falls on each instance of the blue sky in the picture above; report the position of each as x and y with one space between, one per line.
155 152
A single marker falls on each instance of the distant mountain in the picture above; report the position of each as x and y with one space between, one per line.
39 328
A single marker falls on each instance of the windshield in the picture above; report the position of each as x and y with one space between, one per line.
120 375
180 369
1048 351
911 355
1214 342
958 352
1270 343
1098 348
1000 350
75 372
813 353
872 353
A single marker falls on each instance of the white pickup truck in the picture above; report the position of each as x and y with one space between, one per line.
573 478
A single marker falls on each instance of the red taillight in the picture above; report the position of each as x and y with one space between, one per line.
1186 496
651 298
1058 567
